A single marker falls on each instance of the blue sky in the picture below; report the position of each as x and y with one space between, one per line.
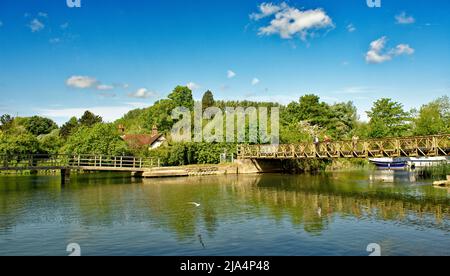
113 56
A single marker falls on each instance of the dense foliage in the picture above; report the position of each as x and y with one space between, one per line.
98 139
300 121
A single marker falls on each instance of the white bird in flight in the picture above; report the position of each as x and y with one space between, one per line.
195 204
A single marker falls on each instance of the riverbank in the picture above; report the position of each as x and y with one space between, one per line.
191 170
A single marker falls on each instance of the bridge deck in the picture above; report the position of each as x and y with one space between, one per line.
78 162
423 146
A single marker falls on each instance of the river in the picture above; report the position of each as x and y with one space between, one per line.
337 213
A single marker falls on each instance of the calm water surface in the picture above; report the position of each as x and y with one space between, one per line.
328 214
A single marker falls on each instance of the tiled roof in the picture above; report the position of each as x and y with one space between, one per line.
141 139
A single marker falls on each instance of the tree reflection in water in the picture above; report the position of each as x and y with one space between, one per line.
309 202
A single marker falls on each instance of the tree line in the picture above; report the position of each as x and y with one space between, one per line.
299 122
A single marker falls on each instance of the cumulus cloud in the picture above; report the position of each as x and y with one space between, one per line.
193 85
375 55
36 25
378 54
255 81
86 82
231 74
289 22
403 49
267 9
142 93
403 18
82 82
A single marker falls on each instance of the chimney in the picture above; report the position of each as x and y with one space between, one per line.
154 131
121 129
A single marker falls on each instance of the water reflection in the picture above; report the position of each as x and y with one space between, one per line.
309 203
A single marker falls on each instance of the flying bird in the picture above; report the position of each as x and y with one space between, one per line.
195 204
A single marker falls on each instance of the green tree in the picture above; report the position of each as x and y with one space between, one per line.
39 125
21 144
433 118
6 122
50 143
207 100
387 119
310 109
99 139
342 120
160 114
89 119
68 127
182 96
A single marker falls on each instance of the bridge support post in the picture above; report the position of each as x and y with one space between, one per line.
65 176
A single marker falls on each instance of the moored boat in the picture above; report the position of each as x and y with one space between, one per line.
389 163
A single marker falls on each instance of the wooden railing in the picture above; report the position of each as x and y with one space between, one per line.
437 145
86 162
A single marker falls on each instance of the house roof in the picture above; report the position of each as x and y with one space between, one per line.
141 139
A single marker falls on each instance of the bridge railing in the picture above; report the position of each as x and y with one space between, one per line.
104 161
436 145
48 162
32 161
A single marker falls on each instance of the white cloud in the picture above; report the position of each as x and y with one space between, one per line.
402 18
267 9
193 86
378 54
82 82
375 55
403 49
36 25
64 26
43 14
108 113
107 95
137 104
104 87
255 81
142 93
231 74
86 82
351 28
289 22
